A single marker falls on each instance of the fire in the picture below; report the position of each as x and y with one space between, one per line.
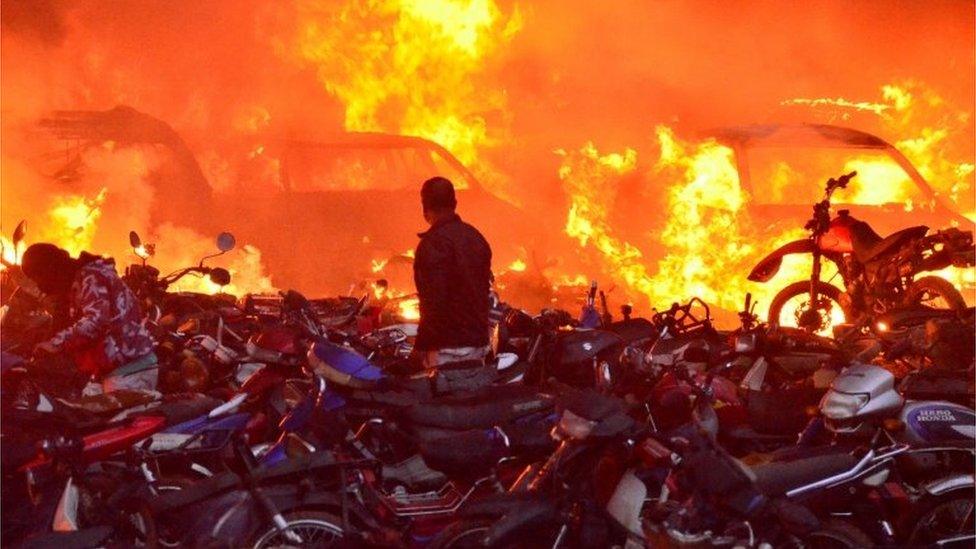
74 221
409 308
518 266
711 245
412 67
925 125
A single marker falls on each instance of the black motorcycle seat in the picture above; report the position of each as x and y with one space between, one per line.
890 243
779 477
183 409
467 454
497 405
297 467
80 539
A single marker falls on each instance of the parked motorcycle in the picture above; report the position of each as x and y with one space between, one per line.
878 274
931 481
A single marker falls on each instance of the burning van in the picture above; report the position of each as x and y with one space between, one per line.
783 168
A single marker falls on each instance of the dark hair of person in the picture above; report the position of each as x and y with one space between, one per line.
50 267
437 194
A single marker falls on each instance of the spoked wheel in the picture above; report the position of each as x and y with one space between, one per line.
462 535
304 529
948 522
792 308
468 534
935 292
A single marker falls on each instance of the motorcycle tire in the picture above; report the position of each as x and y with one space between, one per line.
799 288
838 534
317 529
931 515
935 286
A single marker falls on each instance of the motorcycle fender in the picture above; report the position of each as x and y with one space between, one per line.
769 266
66 514
950 483
626 502
522 517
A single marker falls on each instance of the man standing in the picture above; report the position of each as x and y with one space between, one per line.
452 272
107 339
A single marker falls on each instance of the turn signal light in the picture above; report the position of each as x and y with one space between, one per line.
893 425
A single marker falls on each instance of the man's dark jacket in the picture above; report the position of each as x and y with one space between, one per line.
452 271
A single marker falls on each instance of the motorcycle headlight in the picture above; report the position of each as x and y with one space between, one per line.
839 406
745 343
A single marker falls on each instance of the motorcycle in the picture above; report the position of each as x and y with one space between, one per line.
930 480
878 274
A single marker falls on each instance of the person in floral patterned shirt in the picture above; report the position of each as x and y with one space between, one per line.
106 338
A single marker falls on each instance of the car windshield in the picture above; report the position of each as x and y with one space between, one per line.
314 168
795 176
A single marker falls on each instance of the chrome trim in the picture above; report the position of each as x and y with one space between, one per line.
947 484
840 477
947 541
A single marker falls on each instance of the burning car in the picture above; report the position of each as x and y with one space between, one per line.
782 168
345 206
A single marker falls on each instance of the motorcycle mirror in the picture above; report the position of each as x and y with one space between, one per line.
226 242
134 239
220 276
19 233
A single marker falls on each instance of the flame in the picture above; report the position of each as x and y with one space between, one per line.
711 245
409 309
74 221
518 266
414 70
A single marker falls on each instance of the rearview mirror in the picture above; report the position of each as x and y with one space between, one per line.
220 276
226 242
19 233
134 239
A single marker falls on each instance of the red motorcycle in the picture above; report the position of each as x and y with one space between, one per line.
878 273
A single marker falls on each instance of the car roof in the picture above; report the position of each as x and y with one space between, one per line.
774 135
382 141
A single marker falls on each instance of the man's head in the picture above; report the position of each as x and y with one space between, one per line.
50 267
437 197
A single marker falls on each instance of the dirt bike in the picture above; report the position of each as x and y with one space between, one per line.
878 273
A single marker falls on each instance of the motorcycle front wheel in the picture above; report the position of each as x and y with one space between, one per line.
314 528
791 308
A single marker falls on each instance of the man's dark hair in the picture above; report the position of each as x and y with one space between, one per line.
437 194
50 267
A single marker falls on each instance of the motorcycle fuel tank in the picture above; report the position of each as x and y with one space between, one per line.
838 237
935 422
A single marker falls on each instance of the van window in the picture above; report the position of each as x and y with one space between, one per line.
796 176
316 168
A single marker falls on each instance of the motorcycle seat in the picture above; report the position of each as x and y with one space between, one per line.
467 454
889 244
88 537
498 404
778 477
